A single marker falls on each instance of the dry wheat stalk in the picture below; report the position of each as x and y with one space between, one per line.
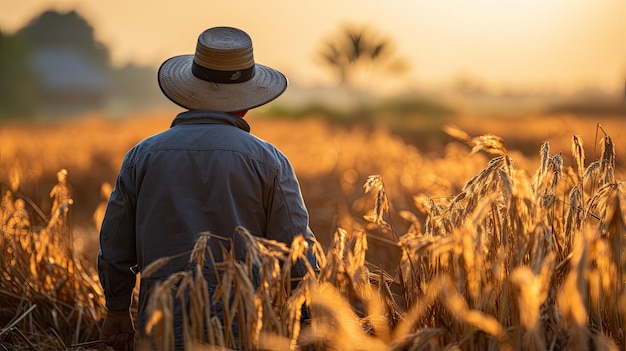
505 262
42 279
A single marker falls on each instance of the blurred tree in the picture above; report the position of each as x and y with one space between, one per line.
354 51
52 28
17 89
54 66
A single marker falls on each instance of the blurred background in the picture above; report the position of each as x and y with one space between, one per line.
372 85
69 57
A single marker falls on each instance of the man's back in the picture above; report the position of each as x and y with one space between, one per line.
207 173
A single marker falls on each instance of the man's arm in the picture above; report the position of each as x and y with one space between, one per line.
117 246
288 215
116 257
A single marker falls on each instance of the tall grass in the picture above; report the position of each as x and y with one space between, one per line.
513 262
508 260
50 298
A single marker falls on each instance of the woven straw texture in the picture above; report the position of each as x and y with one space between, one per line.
224 49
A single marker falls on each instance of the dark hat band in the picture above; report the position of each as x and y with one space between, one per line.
224 77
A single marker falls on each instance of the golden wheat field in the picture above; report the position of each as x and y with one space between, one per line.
488 235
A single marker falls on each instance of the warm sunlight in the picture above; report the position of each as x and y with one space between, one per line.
548 44
457 168
551 44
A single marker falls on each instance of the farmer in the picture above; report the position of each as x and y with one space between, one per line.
205 173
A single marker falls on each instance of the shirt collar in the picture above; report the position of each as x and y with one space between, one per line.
210 117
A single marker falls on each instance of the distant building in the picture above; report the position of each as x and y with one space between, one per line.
68 81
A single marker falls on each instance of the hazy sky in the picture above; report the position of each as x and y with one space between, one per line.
560 44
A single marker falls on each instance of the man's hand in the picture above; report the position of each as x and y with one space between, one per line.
118 330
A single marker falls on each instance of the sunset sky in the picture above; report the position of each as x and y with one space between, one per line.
530 44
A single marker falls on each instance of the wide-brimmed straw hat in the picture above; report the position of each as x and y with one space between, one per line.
221 75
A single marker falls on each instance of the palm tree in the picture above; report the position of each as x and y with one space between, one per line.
357 50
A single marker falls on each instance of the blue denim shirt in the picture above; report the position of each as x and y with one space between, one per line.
205 173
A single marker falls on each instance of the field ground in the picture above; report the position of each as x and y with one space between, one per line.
332 161
413 155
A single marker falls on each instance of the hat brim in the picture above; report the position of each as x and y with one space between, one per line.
179 84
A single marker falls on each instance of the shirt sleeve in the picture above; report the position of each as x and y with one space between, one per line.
287 212
117 243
